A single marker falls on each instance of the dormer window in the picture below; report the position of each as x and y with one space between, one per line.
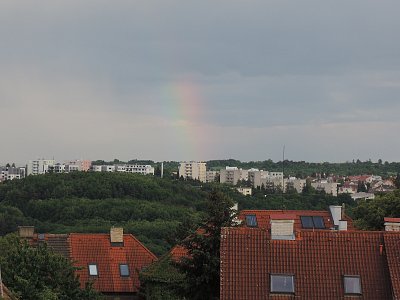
282 230
251 220
352 284
93 270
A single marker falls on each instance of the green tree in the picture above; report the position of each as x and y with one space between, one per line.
37 273
397 180
203 262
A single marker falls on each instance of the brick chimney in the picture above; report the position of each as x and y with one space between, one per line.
26 231
392 224
117 235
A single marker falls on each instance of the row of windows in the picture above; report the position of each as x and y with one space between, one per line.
123 270
282 283
307 222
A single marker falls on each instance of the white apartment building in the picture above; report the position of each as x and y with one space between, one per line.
140 169
261 177
232 175
193 170
39 166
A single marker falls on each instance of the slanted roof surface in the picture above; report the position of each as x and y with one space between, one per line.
317 259
97 249
265 216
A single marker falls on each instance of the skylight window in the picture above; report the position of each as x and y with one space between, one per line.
310 222
352 284
281 283
124 270
251 220
93 270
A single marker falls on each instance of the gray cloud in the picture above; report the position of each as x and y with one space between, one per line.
199 80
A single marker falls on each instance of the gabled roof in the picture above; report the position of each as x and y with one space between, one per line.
265 216
392 247
318 260
178 252
97 249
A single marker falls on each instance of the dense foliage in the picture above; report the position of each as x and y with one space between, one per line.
38 274
202 265
149 207
370 214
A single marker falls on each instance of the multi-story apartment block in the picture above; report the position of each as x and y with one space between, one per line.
193 170
211 176
232 175
140 169
328 187
11 173
40 166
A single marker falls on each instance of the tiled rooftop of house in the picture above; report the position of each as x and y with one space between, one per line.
328 264
262 219
113 267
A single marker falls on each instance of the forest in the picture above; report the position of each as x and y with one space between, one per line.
158 211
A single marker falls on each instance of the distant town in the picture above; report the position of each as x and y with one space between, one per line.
362 186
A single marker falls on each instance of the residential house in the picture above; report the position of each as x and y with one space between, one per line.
111 261
308 255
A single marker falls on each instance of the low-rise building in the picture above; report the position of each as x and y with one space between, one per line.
245 190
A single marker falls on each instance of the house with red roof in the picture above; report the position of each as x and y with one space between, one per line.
112 262
308 255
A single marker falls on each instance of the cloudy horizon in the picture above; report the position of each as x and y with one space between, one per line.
183 80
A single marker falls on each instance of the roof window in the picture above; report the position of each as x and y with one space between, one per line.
93 270
124 270
251 220
311 222
352 284
282 283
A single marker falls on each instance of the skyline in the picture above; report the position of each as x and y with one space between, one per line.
200 81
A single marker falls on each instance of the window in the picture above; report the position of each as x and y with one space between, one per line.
124 270
251 220
352 284
93 270
311 222
281 283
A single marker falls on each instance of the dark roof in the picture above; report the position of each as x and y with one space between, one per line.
317 259
97 249
57 242
264 217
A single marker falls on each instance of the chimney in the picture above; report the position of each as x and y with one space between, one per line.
26 231
117 235
342 225
392 224
336 212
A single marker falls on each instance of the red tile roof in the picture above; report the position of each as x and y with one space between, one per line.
392 249
318 260
178 252
96 248
264 217
392 220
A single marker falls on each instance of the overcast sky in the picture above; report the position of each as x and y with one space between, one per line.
200 80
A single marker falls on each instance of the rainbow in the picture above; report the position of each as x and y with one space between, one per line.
184 106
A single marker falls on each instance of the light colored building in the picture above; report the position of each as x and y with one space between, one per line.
193 170
362 196
232 175
245 190
328 187
40 166
11 173
140 169
211 176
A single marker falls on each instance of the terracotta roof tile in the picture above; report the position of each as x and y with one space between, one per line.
264 217
392 249
392 220
96 248
318 260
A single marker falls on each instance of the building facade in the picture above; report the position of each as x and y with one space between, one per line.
193 170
